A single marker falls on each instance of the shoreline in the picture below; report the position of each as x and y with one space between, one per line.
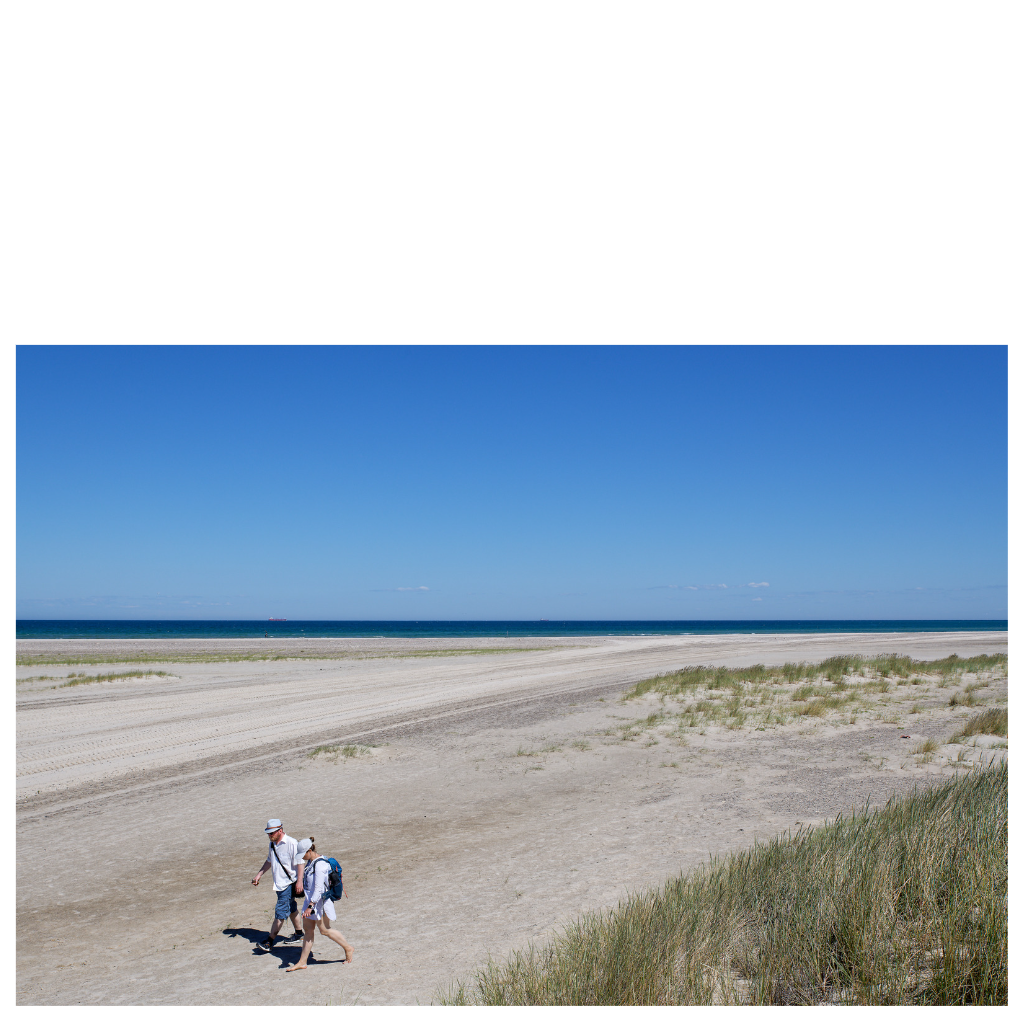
320 647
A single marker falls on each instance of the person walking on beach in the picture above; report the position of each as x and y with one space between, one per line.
283 862
318 908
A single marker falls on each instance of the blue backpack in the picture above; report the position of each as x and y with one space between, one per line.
334 884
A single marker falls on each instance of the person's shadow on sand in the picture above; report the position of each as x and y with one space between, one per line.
284 950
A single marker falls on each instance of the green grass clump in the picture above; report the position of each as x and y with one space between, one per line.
794 671
324 748
906 904
994 722
821 706
348 750
965 699
835 668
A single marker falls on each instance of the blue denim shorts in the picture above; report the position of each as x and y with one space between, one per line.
286 905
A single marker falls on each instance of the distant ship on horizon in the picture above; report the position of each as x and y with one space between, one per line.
277 620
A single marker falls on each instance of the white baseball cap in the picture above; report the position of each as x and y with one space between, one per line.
304 845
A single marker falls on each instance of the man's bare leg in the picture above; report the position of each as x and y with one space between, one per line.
333 933
307 945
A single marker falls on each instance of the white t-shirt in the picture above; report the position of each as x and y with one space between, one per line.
288 852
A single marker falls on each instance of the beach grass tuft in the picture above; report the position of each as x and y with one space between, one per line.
77 679
905 904
343 750
963 698
993 722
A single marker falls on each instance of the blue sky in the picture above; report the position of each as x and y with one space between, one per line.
487 483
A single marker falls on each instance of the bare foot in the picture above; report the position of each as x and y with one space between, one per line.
348 954
295 967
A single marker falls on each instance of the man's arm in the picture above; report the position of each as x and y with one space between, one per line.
262 871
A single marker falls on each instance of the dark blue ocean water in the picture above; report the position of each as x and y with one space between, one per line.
124 629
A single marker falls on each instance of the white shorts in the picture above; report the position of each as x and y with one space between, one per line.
322 908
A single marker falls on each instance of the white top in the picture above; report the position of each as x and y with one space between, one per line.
288 852
314 882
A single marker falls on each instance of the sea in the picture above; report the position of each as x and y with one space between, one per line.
203 629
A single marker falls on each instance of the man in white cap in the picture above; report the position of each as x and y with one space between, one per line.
283 862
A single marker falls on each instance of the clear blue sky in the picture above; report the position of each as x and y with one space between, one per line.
488 483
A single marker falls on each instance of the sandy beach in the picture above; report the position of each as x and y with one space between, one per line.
478 793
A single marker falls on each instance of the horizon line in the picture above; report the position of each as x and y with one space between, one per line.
752 619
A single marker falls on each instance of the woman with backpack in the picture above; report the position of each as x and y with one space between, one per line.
318 908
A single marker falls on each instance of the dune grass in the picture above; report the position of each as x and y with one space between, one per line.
178 658
76 679
963 698
834 670
993 722
906 904
348 750
836 692
213 657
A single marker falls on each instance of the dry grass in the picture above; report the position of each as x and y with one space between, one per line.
835 690
75 679
348 750
214 657
176 658
965 699
838 670
994 722
902 905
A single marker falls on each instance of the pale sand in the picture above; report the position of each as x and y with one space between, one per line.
150 795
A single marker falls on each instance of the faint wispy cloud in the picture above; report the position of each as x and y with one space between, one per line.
703 586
